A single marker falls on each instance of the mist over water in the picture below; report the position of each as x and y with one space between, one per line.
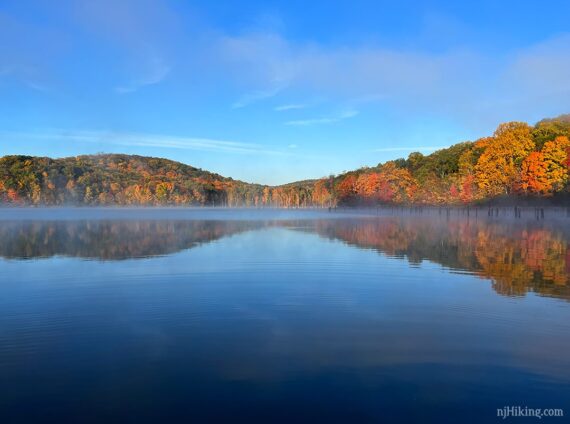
140 315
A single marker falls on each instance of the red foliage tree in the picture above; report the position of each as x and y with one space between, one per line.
467 189
453 192
346 189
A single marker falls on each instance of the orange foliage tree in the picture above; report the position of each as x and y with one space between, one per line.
498 167
534 174
346 189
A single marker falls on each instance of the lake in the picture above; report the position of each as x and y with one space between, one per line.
193 315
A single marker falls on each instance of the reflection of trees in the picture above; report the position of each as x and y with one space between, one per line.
110 239
535 260
518 258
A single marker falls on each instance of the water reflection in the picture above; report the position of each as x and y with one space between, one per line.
517 257
110 240
271 321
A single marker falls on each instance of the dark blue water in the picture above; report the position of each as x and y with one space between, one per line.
140 316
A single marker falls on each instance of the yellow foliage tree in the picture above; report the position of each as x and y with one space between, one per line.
498 167
555 156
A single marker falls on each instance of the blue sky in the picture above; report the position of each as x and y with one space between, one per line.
274 91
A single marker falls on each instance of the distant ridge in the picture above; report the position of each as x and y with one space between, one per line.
517 160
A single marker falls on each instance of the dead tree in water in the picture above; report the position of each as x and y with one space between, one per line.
539 213
518 212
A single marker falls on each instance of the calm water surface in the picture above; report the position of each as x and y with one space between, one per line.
239 316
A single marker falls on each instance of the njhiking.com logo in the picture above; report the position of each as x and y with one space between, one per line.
524 411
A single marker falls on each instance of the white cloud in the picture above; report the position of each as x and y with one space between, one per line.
536 79
146 39
284 108
350 71
347 114
256 96
142 140
262 58
463 85
158 71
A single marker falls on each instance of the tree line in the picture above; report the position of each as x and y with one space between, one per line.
517 160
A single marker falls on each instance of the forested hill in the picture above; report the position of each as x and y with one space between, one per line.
517 160
108 179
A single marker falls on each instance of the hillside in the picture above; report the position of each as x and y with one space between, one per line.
517 160
116 179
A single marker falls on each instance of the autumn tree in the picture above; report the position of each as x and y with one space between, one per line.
498 167
266 197
368 185
555 157
398 181
467 194
321 194
534 174
346 188
550 129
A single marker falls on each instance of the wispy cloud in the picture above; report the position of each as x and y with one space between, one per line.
157 72
349 72
256 96
523 84
324 120
141 140
284 108
410 149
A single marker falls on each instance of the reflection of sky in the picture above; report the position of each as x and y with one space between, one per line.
277 293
